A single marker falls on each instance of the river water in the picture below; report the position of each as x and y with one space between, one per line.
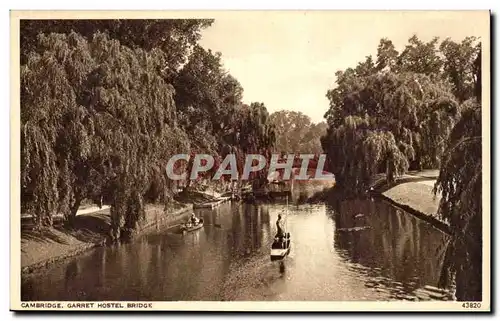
353 250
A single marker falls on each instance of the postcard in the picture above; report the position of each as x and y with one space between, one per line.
250 161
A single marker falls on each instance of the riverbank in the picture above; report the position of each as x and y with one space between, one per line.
92 229
413 193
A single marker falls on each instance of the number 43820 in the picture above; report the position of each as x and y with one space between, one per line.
471 305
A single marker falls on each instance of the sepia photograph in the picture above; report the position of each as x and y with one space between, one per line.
250 161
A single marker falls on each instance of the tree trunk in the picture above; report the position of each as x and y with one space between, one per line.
73 210
188 183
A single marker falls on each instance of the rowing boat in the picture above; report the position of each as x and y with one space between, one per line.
280 248
189 227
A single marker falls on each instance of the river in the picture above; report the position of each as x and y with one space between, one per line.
390 255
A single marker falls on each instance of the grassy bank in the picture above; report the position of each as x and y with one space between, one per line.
42 247
92 229
413 193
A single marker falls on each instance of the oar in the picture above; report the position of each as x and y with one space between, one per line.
286 216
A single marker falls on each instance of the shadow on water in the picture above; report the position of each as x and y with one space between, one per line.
398 253
282 267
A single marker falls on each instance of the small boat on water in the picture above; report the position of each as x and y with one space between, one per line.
189 227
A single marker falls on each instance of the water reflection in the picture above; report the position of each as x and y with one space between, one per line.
398 253
352 250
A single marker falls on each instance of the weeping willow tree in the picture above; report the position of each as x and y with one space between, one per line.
407 103
414 109
100 119
383 122
460 185
175 37
252 133
97 118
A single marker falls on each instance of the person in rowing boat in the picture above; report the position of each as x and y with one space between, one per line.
281 238
193 219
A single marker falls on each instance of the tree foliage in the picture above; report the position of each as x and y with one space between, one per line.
174 37
460 185
296 133
414 109
460 66
104 107
396 113
383 122
95 112
207 98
